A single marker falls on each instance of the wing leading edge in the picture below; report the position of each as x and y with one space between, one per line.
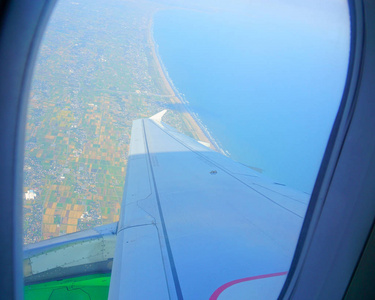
197 225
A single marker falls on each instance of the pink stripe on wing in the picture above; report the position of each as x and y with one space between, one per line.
217 293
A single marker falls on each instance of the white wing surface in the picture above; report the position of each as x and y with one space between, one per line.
197 225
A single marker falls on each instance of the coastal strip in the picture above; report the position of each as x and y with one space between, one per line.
191 120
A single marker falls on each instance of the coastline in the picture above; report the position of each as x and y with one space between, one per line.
190 118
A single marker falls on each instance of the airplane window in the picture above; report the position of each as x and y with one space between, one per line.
259 81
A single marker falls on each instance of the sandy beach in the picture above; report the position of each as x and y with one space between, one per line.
197 129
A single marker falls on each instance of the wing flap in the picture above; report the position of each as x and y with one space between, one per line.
138 272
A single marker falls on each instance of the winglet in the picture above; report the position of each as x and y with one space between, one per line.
157 117
208 145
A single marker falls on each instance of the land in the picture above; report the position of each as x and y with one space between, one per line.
97 71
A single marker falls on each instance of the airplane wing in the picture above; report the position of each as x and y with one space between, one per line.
196 225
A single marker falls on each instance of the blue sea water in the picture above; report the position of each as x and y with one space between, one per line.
267 88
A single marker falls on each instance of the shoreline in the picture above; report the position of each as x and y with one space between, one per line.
189 117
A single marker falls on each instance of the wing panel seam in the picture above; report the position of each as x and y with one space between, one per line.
166 239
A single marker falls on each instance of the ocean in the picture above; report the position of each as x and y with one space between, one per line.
267 87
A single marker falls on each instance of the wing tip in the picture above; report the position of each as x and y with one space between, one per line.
158 117
208 145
